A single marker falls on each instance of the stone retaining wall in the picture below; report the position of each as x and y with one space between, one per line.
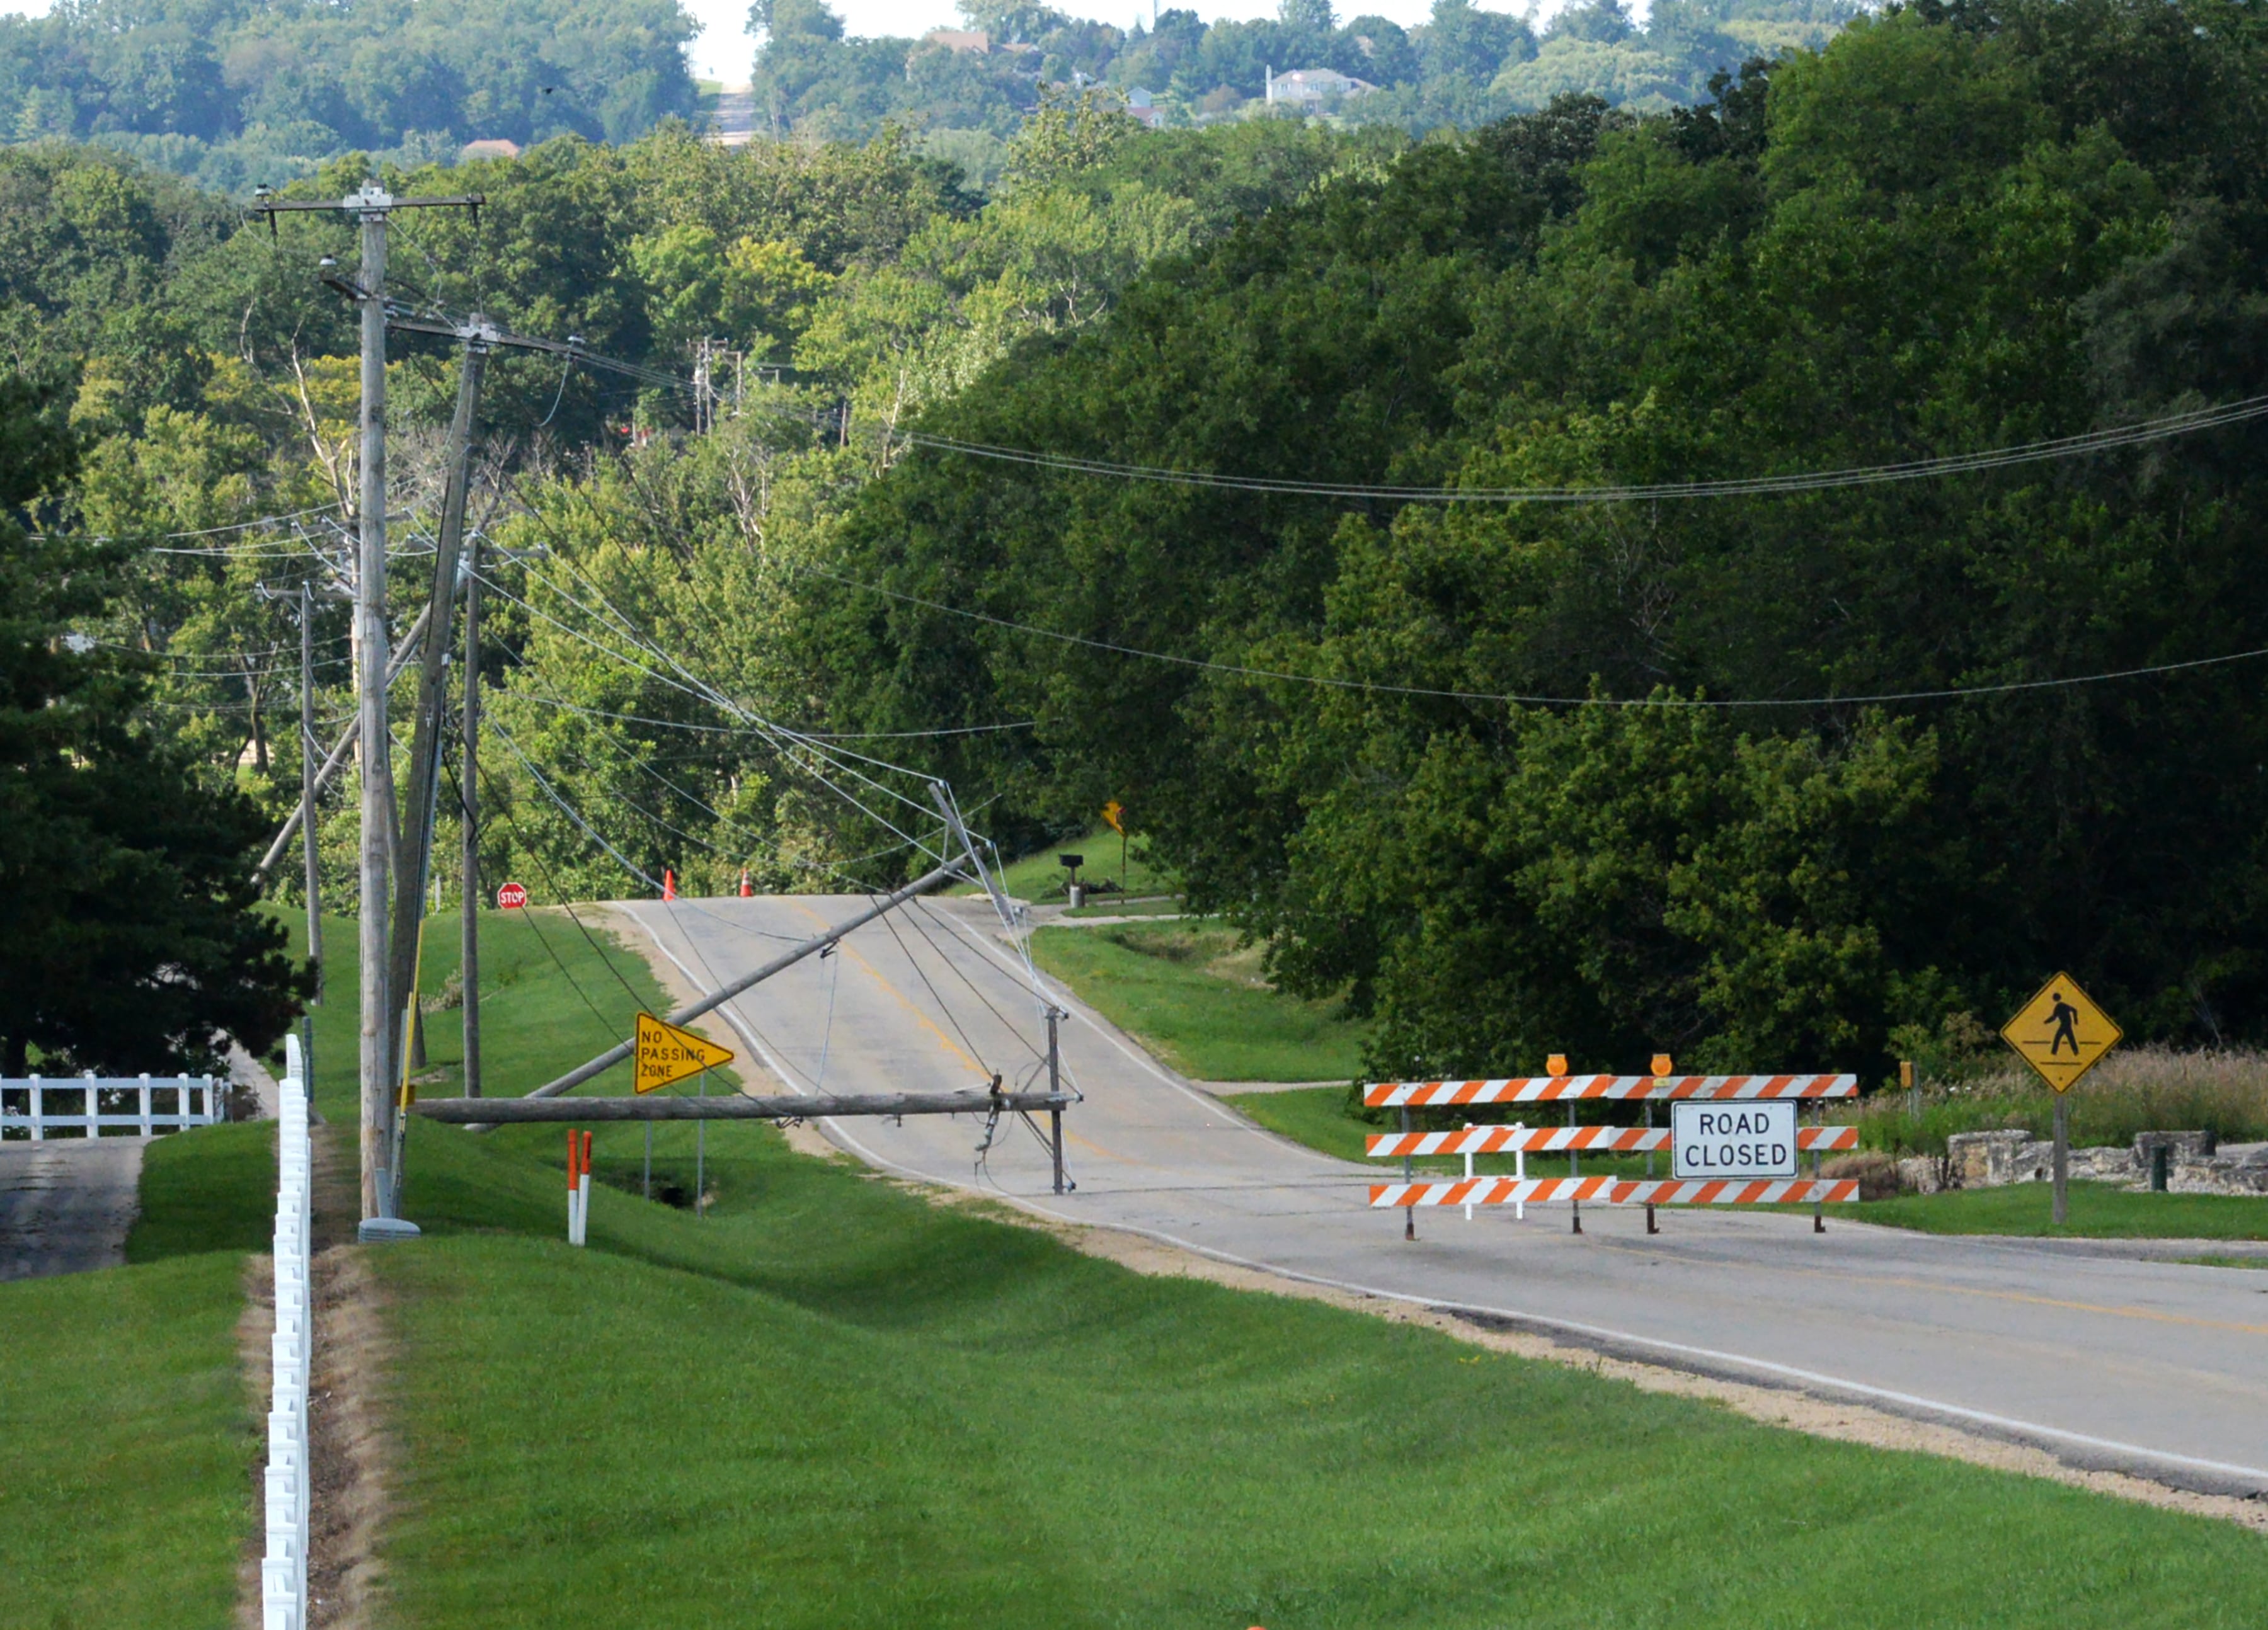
1995 1159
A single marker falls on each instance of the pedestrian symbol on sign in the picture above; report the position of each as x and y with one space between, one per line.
2060 1032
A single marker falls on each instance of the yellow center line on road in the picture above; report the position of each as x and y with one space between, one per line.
843 949
2108 1309
947 1042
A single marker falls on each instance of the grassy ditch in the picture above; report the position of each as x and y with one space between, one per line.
1200 1002
126 1437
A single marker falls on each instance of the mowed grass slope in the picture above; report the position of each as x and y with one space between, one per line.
1195 998
830 1403
127 1434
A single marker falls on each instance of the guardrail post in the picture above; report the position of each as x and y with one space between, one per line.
145 1103
94 1106
39 1106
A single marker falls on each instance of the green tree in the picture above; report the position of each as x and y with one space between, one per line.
132 937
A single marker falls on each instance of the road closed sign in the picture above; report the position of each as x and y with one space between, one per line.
1741 1140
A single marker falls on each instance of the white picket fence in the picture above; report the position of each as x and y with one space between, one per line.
284 1572
139 1104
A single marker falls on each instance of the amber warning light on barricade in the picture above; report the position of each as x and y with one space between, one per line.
666 1054
511 896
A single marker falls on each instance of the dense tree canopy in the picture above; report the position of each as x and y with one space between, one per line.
1951 229
1465 66
1762 778
130 939
234 92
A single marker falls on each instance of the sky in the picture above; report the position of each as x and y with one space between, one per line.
724 51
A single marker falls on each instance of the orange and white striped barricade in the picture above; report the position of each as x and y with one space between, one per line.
1779 1186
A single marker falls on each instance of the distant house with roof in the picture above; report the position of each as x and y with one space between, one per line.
1308 86
1143 108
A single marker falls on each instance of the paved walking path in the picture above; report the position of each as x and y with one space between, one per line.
65 1205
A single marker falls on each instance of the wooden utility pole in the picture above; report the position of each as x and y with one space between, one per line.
468 775
376 1070
417 851
307 780
370 206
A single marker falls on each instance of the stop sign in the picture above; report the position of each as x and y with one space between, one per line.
511 897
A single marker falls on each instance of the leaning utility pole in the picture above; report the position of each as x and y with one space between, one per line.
307 779
371 207
416 853
468 774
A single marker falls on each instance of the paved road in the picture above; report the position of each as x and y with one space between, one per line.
2151 1367
65 1205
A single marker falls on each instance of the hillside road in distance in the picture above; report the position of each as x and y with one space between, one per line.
2105 1360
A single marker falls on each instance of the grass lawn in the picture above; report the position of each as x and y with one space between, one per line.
212 1188
126 1437
1200 1003
1040 875
829 1404
549 999
2098 1211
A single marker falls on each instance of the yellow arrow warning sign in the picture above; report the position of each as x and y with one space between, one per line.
666 1054
2060 1032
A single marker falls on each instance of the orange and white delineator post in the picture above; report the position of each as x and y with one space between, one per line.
578 1185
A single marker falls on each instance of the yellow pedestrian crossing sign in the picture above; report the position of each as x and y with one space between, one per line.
666 1054
2060 1032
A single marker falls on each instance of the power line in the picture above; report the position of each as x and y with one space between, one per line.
1749 485
197 532
727 730
1945 693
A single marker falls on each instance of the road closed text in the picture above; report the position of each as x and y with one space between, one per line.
1732 1139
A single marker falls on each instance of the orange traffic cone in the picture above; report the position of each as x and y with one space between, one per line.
746 892
668 883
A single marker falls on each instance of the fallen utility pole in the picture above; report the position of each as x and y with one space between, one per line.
786 959
335 759
498 1112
